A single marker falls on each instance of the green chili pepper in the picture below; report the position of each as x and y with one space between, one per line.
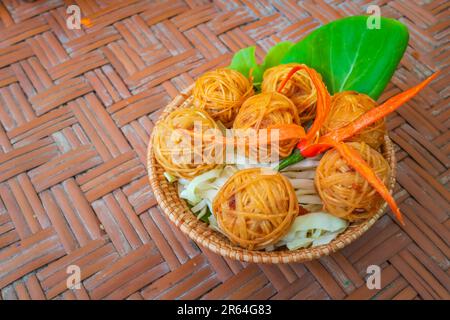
292 159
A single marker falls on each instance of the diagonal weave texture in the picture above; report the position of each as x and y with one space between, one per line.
76 111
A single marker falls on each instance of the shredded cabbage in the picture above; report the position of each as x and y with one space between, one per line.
205 187
308 198
317 228
199 206
312 229
190 193
170 178
202 212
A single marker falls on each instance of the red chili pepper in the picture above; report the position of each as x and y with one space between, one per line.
354 160
334 139
308 150
323 103
374 114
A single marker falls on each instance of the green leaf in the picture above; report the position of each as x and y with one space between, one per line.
276 54
350 56
244 60
257 77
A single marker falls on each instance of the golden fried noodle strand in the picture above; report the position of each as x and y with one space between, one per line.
267 109
344 192
348 106
254 209
299 89
176 152
221 93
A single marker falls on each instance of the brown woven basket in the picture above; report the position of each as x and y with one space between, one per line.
179 213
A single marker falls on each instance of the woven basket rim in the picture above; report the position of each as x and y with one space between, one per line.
179 213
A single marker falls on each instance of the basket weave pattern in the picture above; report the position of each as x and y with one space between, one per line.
179 213
76 112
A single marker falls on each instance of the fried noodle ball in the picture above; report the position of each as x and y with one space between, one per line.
254 210
299 89
264 110
348 106
344 192
221 93
176 151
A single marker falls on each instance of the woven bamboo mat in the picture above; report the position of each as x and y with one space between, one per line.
76 111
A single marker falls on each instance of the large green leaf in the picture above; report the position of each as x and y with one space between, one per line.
244 61
276 54
350 56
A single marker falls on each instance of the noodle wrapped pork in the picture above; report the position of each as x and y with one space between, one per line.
344 192
221 93
176 151
348 106
299 88
265 110
255 210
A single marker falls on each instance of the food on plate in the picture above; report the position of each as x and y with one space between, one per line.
332 172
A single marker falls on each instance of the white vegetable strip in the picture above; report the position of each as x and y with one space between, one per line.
317 220
300 192
302 183
190 193
304 164
308 174
190 196
325 239
199 206
299 243
202 213
316 228
170 178
309 199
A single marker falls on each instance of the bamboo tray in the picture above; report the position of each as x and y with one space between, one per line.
179 213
